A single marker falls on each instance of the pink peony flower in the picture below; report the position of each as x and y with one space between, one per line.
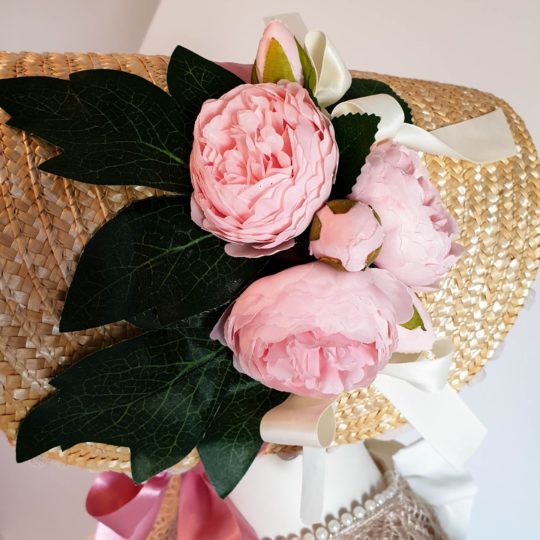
314 331
419 232
346 234
263 162
278 31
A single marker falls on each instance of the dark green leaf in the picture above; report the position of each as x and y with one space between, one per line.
192 80
153 394
149 320
232 440
158 394
41 105
370 87
415 321
152 255
113 127
355 134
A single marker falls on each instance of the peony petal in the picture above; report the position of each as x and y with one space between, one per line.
252 252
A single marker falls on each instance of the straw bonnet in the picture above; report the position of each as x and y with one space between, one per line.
45 221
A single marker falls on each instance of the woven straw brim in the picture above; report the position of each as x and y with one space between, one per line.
45 221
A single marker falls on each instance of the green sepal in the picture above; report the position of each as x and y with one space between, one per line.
415 321
254 77
276 65
308 69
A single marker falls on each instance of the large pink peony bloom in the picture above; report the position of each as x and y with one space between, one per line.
419 232
263 162
315 331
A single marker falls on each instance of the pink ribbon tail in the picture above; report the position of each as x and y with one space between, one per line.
240 70
124 510
203 514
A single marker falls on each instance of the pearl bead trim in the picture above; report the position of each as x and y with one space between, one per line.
348 519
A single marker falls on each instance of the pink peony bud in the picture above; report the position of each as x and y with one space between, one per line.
277 56
346 235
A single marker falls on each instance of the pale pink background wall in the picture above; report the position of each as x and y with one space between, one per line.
493 45
74 25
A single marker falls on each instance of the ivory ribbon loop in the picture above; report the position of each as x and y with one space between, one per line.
448 491
333 77
484 139
434 409
300 421
311 423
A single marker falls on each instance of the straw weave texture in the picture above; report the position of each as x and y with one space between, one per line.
45 221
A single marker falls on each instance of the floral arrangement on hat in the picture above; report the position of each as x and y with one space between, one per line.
283 251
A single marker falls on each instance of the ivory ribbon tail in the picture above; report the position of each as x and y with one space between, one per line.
311 423
484 139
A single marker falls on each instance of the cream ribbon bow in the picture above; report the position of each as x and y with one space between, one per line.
417 388
483 139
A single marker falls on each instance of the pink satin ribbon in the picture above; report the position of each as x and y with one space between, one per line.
240 70
125 511
202 514
128 512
